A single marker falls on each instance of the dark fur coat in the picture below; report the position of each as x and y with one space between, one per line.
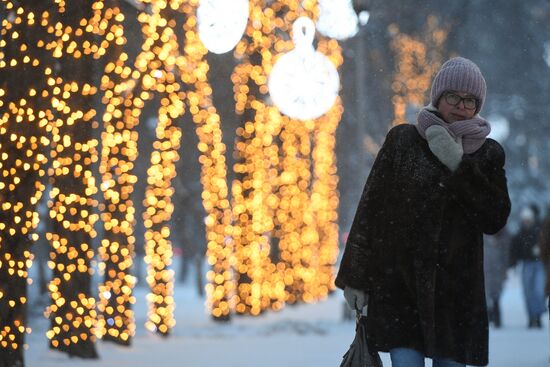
416 247
544 243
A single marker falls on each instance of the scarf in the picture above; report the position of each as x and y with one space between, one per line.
473 132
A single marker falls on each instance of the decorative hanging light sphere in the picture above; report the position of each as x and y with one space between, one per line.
337 19
303 83
221 23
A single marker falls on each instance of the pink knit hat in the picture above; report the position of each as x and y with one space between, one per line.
460 75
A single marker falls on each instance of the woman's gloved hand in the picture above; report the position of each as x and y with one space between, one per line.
356 298
444 147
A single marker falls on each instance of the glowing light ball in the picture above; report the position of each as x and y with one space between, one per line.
304 83
337 19
221 23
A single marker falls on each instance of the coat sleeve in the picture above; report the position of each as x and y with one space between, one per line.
358 261
479 186
544 243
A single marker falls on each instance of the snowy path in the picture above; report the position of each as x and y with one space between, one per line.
301 336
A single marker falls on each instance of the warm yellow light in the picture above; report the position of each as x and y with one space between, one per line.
73 152
274 195
417 62
119 151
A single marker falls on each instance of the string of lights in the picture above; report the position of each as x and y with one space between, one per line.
262 196
267 288
294 217
324 194
254 200
221 286
76 36
158 65
417 62
23 120
324 202
118 154
261 190
307 215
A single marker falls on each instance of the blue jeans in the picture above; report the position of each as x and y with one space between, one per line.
405 357
533 276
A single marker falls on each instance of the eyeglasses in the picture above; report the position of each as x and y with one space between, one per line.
470 103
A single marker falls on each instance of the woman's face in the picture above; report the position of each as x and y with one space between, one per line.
456 106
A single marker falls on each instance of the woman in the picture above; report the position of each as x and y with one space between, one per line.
415 249
544 243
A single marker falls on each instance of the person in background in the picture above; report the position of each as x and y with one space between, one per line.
414 254
495 264
526 251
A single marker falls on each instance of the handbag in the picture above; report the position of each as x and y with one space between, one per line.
358 354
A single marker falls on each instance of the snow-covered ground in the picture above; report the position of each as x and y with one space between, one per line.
304 336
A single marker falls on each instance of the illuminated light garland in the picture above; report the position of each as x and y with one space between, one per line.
254 201
256 144
309 230
295 178
265 128
154 74
307 215
324 202
294 214
255 191
78 34
221 286
417 62
119 151
262 291
156 69
159 209
324 197
23 119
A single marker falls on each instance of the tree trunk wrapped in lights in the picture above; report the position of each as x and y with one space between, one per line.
260 285
154 77
294 214
307 213
221 285
156 71
157 217
324 204
23 121
313 271
253 216
119 151
321 239
417 60
305 238
70 31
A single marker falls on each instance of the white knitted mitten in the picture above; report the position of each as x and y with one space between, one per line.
356 298
444 147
